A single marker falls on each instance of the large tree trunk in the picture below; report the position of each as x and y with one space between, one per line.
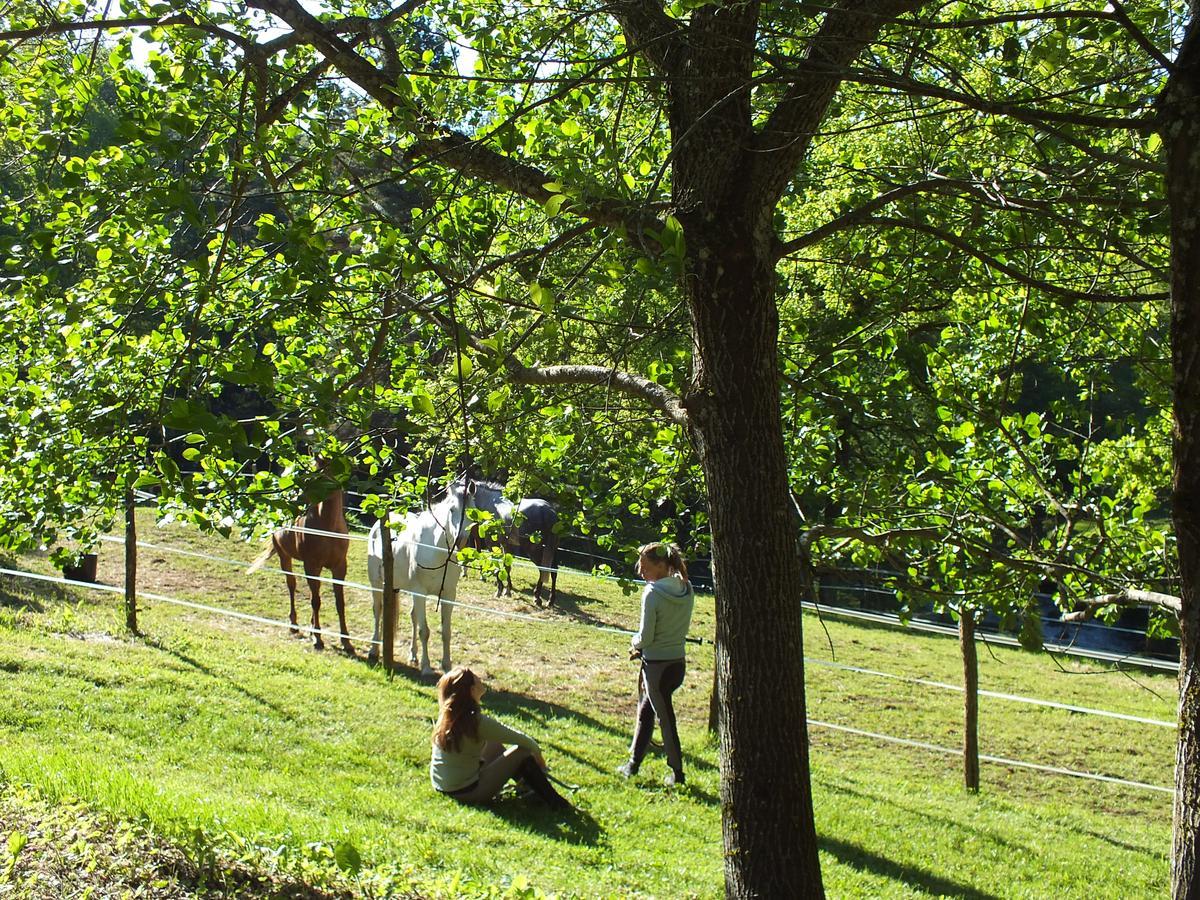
766 796
1181 130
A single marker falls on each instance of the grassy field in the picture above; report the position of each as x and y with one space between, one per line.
236 742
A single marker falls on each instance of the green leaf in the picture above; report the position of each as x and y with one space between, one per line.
422 404
347 857
554 204
542 296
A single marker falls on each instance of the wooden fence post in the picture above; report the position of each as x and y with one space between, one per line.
130 562
966 640
389 598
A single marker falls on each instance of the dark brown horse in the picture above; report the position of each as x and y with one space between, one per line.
305 541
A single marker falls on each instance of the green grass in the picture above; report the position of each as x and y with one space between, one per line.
279 755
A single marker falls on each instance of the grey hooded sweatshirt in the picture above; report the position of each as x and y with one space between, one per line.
666 615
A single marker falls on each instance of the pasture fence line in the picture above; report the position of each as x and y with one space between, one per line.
162 598
1017 698
517 563
999 760
537 620
240 563
503 613
997 639
175 601
890 619
885 618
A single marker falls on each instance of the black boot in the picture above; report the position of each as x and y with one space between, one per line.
531 773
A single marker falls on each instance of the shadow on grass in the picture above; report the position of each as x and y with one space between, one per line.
989 834
571 606
192 663
864 860
1159 852
36 595
12 598
575 827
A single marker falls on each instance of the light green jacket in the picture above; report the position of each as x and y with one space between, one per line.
666 616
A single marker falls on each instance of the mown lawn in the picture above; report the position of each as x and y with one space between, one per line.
234 738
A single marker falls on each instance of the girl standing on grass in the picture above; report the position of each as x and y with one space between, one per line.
469 761
667 605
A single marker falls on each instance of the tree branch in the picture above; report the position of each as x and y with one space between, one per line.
647 27
135 22
849 27
958 243
655 394
1124 597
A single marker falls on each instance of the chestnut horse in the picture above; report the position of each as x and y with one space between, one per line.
317 551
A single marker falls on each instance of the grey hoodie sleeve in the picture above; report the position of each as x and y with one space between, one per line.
649 611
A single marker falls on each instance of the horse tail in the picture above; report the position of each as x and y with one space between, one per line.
263 557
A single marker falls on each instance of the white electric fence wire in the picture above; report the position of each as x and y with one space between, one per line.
173 601
527 618
281 624
240 563
367 588
998 639
1017 698
999 760
517 563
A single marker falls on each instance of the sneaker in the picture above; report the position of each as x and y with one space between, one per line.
674 778
628 770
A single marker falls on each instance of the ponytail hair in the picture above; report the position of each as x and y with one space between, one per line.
667 553
458 710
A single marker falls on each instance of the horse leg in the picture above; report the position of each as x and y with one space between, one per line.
421 629
314 588
549 562
285 563
447 611
375 576
339 599
535 557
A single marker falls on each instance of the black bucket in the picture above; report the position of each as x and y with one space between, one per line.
85 571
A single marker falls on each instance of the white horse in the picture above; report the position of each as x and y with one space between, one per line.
422 548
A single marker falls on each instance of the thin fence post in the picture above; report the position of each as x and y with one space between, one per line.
389 597
966 639
130 562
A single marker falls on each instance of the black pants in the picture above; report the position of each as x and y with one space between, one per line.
660 678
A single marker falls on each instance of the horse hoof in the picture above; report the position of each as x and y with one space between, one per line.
318 644
372 657
427 673
348 648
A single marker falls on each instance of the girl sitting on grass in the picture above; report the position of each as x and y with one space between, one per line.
469 760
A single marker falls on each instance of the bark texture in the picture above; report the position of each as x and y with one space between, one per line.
1181 132
766 796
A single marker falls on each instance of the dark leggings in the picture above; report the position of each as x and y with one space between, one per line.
659 678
